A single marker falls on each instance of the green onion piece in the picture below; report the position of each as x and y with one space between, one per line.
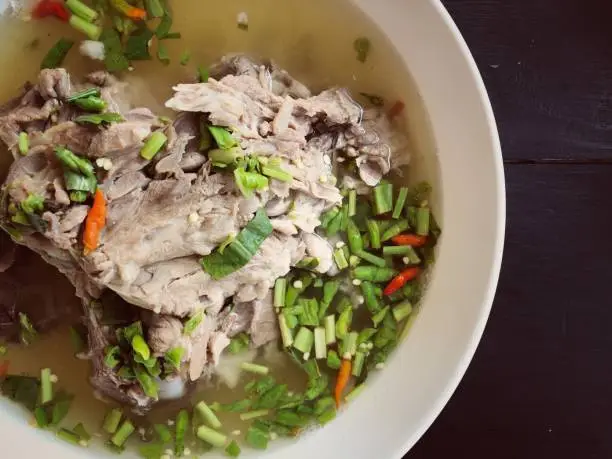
56 55
185 57
277 173
413 257
24 143
369 295
40 415
182 424
344 322
371 258
92 31
228 156
100 118
379 316
330 329
69 436
112 420
352 203
254 368
202 74
354 237
247 182
241 250
351 342
153 145
328 216
91 92
162 54
212 437
149 386
352 395
401 311
174 357
362 46
320 343
46 386
74 163
256 438
82 10
340 259
78 196
74 181
310 312
152 450
401 201
141 347
80 430
411 214
132 330
193 323
61 407
383 198
286 334
333 360
422 221
291 319
163 432
123 433
304 340
254 415
395 229
358 363
374 232
208 415
137 45
374 274
239 343
345 219
233 450
154 8
396 250
330 289
223 137
280 290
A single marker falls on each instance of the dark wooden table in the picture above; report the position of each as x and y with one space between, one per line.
540 385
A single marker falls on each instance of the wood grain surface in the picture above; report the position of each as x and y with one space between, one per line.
540 385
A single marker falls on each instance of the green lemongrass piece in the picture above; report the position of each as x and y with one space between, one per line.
212 437
182 425
395 229
370 298
328 216
383 198
208 415
340 259
286 333
280 291
394 250
355 240
81 431
351 342
227 156
304 340
46 386
371 258
233 449
380 316
193 323
254 415
358 363
320 343
141 347
123 433
374 232
254 368
163 432
343 323
352 395
92 31
330 289
153 145
69 436
90 92
291 319
401 201
83 11
330 329
24 143
154 8
374 273
401 311
333 360
277 173
352 203
422 221
112 420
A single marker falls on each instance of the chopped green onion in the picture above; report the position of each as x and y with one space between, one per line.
112 420
396 250
383 198
111 355
162 54
276 173
352 395
358 363
370 297
174 357
163 433
344 322
239 343
182 424
309 314
401 311
354 237
223 137
256 438
254 415
304 340
82 10
123 433
330 289
380 316
40 415
280 291
395 229
141 347
24 143
413 257
202 74
149 386
286 334
328 216
422 221
74 163
351 342
90 92
374 232
138 44
208 415
254 368
226 157
371 258
352 203
69 436
61 407
154 8
153 145
99 118
193 323
212 437
419 193
233 450
411 214
330 329
80 430
320 343
46 386
401 201
335 223
92 31
77 182
340 259
374 273
247 182
56 55
185 57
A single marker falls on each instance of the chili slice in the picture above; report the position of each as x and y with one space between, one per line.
400 280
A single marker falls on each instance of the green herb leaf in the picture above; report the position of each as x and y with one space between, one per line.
233 450
375 100
241 250
91 92
203 74
256 438
193 323
163 29
137 45
61 406
56 55
111 356
271 398
141 347
164 434
77 182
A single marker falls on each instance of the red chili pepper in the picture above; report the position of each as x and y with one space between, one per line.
396 109
4 368
400 280
410 239
51 8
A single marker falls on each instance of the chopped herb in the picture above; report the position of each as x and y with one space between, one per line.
236 407
140 347
24 143
163 29
61 406
82 10
114 59
208 415
154 8
239 343
149 386
153 145
193 323
92 31
46 386
101 118
91 104
112 420
185 57
304 340
254 368
91 92
222 137
40 415
272 398
152 451
362 46
162 54
182 424
333 360
257 438
203 74
111 356
138 44
123 433
56 55
241 250
69 436
164 434
174 357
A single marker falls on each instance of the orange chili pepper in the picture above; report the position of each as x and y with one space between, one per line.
94 224
344 375
409 239
400 280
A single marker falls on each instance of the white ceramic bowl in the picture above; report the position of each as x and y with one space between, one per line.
402 401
